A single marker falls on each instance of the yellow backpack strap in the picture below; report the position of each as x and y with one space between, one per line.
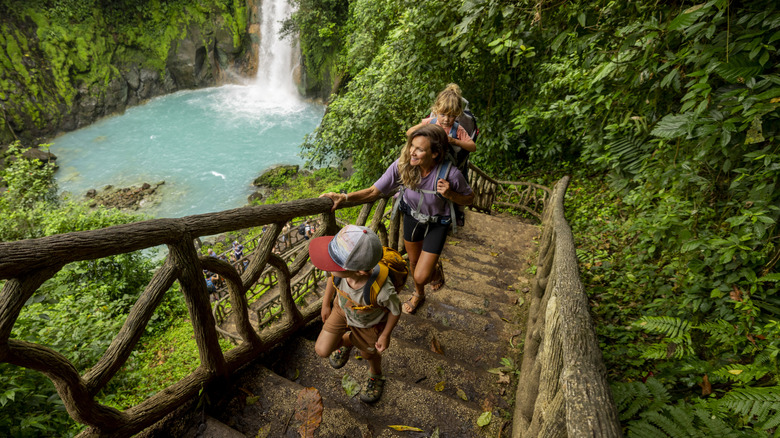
376 286
352 303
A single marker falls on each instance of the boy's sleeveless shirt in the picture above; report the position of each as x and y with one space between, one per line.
387 299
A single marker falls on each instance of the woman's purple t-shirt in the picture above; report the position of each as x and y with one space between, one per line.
432 205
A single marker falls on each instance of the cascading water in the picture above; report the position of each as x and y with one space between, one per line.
274 70
207 145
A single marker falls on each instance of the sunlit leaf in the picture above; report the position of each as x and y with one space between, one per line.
484 419
406 428
439 387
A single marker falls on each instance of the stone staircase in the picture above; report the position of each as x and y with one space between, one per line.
441 366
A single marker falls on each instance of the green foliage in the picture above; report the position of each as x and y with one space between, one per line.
289 187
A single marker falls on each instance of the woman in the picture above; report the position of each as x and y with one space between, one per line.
425 223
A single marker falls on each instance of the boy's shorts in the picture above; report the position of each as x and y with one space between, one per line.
362 338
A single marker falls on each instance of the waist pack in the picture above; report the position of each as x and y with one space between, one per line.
392 266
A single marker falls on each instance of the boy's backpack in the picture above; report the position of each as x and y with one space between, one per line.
391 267
302 229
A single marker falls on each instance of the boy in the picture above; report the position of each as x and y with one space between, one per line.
350 256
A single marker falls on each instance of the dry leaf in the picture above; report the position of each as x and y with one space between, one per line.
735 294
462 394
487 405
308 410
494 254
706 387
406 428
435 346
503 378
439 386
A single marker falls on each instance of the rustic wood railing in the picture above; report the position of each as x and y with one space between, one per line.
26 265
524 196
562 390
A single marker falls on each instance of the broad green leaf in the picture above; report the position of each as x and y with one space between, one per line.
350 385
484 419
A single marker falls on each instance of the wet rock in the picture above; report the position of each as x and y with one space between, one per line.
125 198
44 156
133 78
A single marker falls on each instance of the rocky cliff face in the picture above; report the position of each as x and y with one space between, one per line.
39 97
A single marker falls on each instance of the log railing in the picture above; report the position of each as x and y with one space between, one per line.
562 390
27 264
489 193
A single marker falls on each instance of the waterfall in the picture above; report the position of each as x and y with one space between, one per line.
275 56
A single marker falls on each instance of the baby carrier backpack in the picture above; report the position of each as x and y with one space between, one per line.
391 267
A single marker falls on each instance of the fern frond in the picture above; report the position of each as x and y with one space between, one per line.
761 405
633 397
742 373
671 327
682 421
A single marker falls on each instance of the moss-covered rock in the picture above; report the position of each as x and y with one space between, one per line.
276 176
62 66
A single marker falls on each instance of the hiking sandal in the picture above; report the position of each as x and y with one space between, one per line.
372 390
436 285
408 307
339 357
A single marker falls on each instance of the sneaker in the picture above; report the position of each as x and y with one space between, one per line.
339 357
373 389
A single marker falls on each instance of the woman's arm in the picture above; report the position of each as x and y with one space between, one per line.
359 197
443 188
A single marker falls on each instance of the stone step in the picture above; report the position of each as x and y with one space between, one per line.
264 406
407 362
403 402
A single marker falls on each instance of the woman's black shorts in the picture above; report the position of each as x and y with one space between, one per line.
433 235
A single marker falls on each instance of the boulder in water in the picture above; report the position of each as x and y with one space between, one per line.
127 198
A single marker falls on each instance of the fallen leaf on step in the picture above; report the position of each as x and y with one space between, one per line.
454 242
406 428
435 433
462 394
487 405
350 385
439 386
296 374
484 419
503 378
252 399
264 431
435 346
308 410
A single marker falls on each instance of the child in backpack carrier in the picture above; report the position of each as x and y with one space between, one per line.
358 318
447 108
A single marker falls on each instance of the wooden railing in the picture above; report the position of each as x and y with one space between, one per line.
562 390
26 265
523 196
